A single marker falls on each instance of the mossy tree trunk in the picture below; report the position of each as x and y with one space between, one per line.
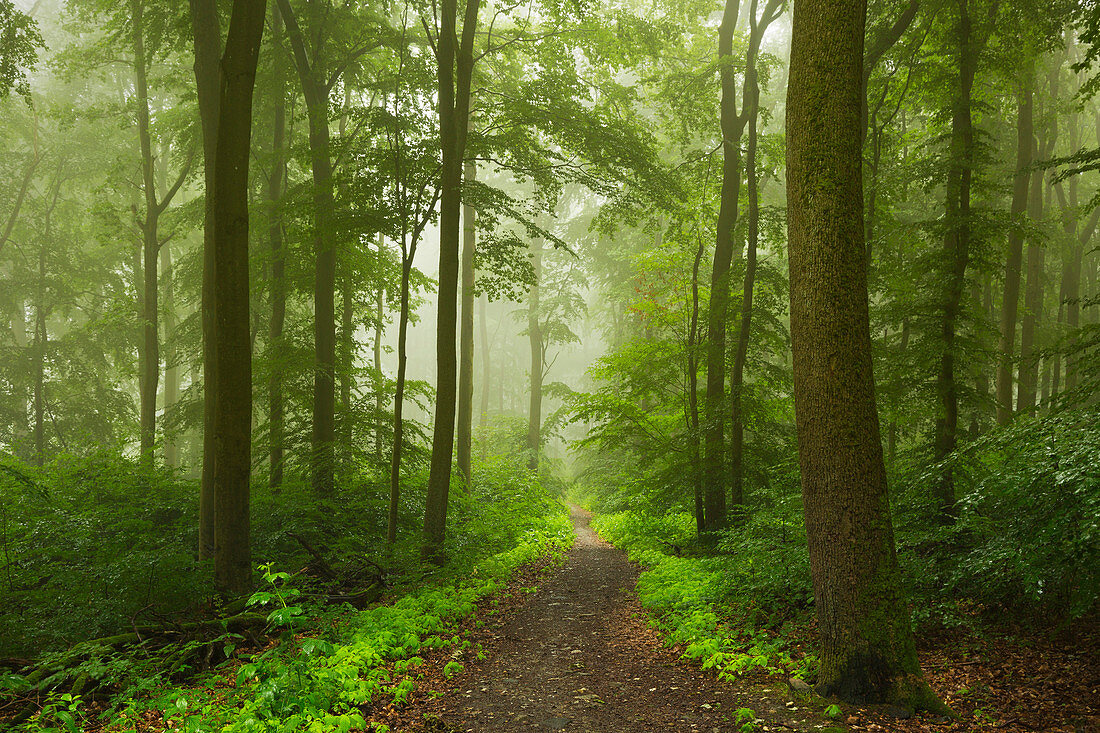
868 653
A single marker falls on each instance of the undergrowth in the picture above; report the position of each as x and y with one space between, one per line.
730 610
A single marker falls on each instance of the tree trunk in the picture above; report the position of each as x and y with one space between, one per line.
868 653
276 417
737 376
1033 305
407 255
149 357
956 256
534 334
466 340
171 367
455 68
233 404
206 33
486 361
41 339
1013 262
315 92
693 397
732 126
379 305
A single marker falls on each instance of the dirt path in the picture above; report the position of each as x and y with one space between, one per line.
580 656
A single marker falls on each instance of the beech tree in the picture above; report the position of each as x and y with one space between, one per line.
868 652
232 352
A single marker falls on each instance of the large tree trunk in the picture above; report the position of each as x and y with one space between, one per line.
534 335
206 33
276 418
956 258
868 653
466 339
233 405
455 68
1013 262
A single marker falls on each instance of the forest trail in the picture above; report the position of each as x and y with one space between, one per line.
579 656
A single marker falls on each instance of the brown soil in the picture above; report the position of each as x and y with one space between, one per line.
579 655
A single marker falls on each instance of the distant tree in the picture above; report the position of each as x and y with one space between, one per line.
868 652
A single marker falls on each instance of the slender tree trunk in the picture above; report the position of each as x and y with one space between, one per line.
732 126
407 255
956 255
455 68
379 306
534 334
171 367
892 430
1033 305
233 405
737 376
41 339
486 361
149 354
693 397
276 417
867 647
315 92
21 428
1014 260
464 436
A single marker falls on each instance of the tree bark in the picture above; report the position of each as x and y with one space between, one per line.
868 653
455 68
534 335
1014 259
206 33
464 436
233 405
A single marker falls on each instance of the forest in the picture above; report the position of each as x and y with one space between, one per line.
603 366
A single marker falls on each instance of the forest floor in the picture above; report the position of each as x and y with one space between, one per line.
579 655
568 647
